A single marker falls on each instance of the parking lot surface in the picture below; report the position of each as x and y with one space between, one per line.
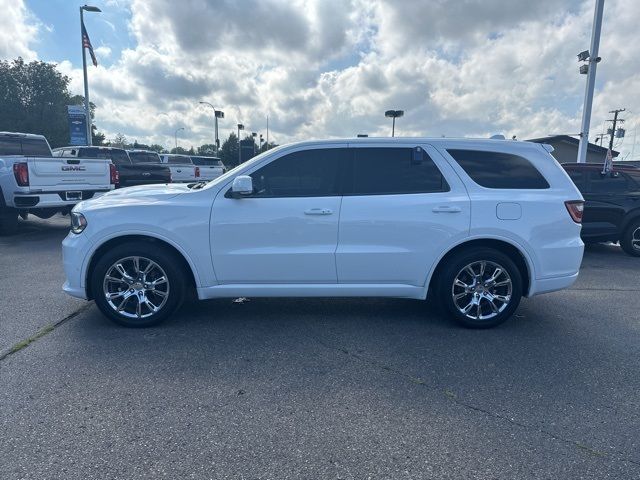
317 388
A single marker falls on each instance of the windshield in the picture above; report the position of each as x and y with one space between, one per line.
144 157
207 161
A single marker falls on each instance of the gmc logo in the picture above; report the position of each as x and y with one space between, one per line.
73 168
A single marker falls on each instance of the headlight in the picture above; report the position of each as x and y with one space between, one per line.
78 222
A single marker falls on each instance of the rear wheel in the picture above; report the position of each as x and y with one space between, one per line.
630 240
480 288
138 286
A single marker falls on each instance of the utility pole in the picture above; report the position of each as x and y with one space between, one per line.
590 56
615 120
267 147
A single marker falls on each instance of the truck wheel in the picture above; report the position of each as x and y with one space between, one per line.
138 286
480 288
8 221
630 240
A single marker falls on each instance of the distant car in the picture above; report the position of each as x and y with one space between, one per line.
476 223
210 167
182 168
32 181
612 203
129 173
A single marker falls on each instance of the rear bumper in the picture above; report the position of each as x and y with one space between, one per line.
51 199
546 285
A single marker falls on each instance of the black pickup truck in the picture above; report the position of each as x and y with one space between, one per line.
133 168
612 203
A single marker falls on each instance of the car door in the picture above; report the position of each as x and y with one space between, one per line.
399 213
604 203
286 231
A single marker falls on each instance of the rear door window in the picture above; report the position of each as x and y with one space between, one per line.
499 170
390 171
612 183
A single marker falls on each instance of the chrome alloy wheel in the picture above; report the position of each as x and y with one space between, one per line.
481 290
136 287
635 239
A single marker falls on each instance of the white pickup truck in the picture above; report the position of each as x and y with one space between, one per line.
182 168
210 167
33 181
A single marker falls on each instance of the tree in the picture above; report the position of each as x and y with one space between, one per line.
207 149
157 148
34 98
119 141
229 151
179 151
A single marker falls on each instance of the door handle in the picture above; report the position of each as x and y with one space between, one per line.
446 209
318 211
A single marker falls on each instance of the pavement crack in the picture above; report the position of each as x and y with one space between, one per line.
614 454
22 344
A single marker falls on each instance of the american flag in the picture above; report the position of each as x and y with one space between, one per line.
86 43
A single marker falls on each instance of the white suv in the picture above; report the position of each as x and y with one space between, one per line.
477 223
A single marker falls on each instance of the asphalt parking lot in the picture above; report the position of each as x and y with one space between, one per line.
317 388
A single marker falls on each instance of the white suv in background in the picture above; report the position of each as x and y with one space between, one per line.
477 223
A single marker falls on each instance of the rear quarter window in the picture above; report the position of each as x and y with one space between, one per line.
499 170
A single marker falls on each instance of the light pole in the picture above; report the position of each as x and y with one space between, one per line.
393 114
87 112
590 69
216 114
240 127
176 136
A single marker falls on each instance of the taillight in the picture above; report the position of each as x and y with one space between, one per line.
21 172
197 172
575 209
114 175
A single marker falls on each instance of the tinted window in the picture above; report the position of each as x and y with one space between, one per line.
119 157
310 173
578 179
499 170
614 182
35 147
144 157
207 161
116 155
178 160
380 171
10 146
31 147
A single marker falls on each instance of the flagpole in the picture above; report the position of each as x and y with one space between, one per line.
86 83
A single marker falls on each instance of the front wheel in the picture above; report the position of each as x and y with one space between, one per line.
138 286
630 241
480 288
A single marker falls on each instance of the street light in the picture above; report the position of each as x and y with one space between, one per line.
87 8
176 136
393 114
240 127
217 114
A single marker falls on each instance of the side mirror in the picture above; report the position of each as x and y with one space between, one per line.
242 185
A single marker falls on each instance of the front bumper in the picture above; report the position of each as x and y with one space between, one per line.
74 251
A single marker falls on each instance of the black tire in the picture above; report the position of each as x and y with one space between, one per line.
169 265
480 290
8 221
631 235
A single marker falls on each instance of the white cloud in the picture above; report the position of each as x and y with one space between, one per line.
103 51
331 68
18 32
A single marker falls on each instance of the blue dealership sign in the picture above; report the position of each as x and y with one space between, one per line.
77 125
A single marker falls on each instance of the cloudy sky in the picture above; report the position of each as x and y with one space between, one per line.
330 68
